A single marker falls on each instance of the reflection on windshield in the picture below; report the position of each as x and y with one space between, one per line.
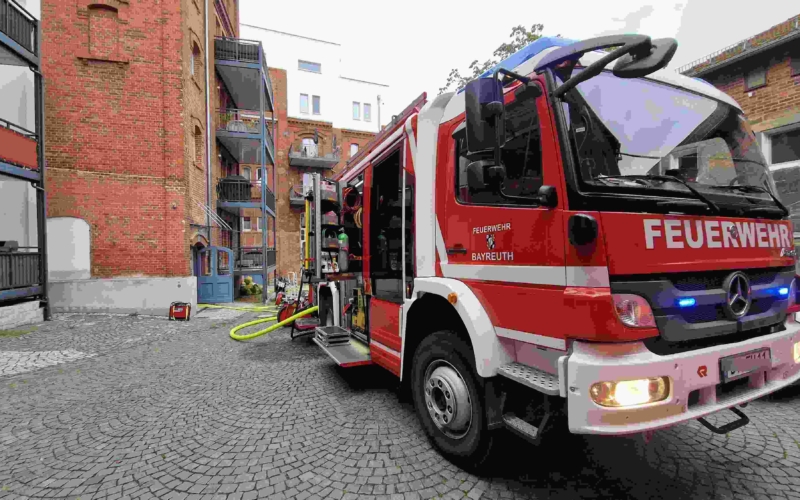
642 127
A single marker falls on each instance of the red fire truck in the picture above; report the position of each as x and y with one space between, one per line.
579 236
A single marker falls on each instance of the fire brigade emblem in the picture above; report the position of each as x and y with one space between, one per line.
733 231
490 241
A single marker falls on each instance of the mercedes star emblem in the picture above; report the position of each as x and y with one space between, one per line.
738 295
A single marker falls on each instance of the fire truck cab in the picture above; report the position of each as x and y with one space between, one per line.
561 241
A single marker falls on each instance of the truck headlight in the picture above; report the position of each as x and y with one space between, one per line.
633 310
630 392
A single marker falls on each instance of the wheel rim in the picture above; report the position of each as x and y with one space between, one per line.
447 399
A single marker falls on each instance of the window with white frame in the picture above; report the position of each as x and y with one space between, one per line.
315 104
246 173
309 66
367 112
356 110
246 224
304 103
309 147
353 150
258 174
260 224
781 148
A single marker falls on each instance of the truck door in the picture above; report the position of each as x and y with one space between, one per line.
510 252
386 259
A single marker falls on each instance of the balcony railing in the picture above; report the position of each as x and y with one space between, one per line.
253 258
19 268
296 198
308 155
236 188
18 24
243 121
244 51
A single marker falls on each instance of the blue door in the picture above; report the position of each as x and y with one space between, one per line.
215 279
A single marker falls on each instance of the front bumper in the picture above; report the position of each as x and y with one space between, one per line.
592 362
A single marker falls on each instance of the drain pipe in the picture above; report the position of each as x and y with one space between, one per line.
208 126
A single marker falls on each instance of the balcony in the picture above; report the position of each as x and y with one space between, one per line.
19 272
240 132
19 45
250 260
18 152
309 156
296 198
243 67
236 192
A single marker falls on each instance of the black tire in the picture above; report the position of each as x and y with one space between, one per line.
473 447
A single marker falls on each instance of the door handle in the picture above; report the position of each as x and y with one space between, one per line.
459 248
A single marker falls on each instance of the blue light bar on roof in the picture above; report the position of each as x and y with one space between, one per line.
527 52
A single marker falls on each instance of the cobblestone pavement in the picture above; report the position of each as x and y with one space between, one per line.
161 409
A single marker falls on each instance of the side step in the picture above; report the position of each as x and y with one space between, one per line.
525 429
352 353
531 377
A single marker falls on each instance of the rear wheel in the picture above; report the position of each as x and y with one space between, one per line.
448 396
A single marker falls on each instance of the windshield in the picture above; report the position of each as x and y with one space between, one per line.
634 127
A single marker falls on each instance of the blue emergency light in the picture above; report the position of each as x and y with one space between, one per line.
784 291
687 302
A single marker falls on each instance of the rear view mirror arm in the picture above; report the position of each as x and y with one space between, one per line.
593 69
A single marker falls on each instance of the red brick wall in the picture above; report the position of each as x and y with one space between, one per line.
780 96
116 123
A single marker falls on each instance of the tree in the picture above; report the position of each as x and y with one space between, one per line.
520 37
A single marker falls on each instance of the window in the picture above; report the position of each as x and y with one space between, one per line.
198 147
755 78
309 66
353 150
258 174
197 61
304 103
309 147
260 224
795 63
246 224
356 110
782 150
785 146
367 112
315 104
521 155
246 173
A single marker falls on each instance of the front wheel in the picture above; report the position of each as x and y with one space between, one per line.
448 396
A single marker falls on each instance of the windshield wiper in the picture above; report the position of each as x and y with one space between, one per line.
666 178
756 189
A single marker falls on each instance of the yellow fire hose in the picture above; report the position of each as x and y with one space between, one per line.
272 309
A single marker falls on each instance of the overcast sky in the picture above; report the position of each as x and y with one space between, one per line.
413 45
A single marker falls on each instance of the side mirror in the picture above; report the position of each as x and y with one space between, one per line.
548 197
660 54
483 102
483 174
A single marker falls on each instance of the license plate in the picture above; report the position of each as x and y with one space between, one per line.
741 365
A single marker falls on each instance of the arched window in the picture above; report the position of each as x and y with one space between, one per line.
196 62
198 146
103 30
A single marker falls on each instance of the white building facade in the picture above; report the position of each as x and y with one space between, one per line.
316 88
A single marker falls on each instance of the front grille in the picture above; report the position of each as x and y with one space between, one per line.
714 279
706 322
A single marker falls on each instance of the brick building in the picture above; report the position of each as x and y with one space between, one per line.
763 74
145 153
323 118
